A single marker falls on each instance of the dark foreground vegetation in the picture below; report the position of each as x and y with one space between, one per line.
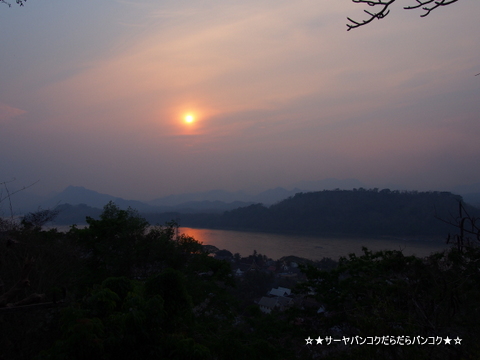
119 289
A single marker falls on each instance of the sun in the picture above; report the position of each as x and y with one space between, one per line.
189 119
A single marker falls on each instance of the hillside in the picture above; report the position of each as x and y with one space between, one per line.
356 212
346 212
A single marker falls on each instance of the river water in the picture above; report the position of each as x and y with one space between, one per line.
276 246
315 248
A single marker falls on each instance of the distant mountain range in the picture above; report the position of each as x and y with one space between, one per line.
220 196
214 201
75 195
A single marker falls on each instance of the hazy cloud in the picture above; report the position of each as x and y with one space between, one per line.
8 113
280 92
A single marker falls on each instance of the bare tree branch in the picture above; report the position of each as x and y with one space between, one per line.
378 15
9 194
468 227
436 4
19 2
384 9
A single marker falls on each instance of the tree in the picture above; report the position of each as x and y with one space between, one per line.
114 320
35 220
110 243
427 5
171 286
388 292
26 259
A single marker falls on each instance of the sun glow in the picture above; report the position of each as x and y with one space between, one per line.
189 119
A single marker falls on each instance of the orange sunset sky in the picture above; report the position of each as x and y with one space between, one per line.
96 94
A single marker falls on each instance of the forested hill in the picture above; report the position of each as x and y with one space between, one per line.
352 212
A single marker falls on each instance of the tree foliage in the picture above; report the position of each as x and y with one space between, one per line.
131 289
389 293
109 244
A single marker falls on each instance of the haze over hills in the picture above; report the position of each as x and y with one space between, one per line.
357 212
346 212
213 201
267 197
75 195
350 211
329 184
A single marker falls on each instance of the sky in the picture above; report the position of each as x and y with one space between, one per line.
95 94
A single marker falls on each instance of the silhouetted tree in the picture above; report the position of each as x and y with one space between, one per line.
388 292
35 220
109 244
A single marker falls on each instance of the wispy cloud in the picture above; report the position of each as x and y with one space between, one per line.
8 113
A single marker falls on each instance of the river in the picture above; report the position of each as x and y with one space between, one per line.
315 248
310 247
